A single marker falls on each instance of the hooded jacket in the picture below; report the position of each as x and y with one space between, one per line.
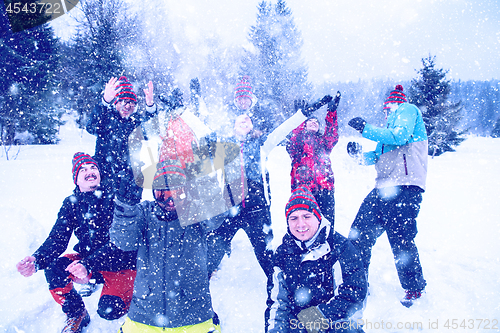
171 287
400 157
89 216
310 154
304 276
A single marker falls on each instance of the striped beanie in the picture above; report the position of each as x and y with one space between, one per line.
244 89
80 159
126 90
169 175
302 199
396 96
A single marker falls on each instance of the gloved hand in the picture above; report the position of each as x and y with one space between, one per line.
354 149
313 319
307 109
173 100
358 124
194 86
332 105
129 192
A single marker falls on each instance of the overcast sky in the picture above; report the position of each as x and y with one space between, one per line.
348 40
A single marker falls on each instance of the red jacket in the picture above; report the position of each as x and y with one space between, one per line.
310 154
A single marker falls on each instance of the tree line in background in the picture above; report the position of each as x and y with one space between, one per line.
43 78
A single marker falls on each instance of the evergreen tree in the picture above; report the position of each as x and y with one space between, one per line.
97 52
276 68
430 92
27 86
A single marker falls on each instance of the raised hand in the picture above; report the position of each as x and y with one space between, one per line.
26 266
149 94
111 89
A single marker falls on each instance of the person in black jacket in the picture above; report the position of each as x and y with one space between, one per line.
88 213
113 121
304 295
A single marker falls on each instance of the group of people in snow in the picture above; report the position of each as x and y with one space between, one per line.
155 258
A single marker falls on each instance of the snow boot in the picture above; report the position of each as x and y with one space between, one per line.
411 297
77 323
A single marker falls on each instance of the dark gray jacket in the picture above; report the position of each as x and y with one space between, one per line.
171 288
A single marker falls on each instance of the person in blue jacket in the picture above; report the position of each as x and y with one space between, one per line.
400 159
304 294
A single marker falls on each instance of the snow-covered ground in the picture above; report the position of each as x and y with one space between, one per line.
458 240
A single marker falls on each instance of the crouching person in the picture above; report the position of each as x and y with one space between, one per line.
304 295
88 213
171 292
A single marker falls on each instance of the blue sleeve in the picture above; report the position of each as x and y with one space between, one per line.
399 129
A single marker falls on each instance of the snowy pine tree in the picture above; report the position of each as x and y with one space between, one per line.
430 92
276 66
27 87
96 52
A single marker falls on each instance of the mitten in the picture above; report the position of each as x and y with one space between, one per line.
129 192
172 100
313 319
194 86
354 149
358 124
333 104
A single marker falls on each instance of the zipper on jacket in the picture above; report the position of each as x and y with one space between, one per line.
242 163
406 166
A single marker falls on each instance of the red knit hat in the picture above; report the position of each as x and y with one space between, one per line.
80 159
126 90
302 199
396 96
244 89
169 175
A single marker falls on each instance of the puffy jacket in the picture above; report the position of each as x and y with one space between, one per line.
310 154
89 216
400 157
112 132
304 276
171 287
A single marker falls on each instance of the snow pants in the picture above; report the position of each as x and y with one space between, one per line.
116 294
393 210
257 225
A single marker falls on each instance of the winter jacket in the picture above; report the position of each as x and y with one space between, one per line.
400 157
113 132
89 216
304 276
310 154
245 169
171 287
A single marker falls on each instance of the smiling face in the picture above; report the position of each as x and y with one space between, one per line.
312 125
88 178
125 107
242 126
303 224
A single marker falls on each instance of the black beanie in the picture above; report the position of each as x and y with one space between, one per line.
126 91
